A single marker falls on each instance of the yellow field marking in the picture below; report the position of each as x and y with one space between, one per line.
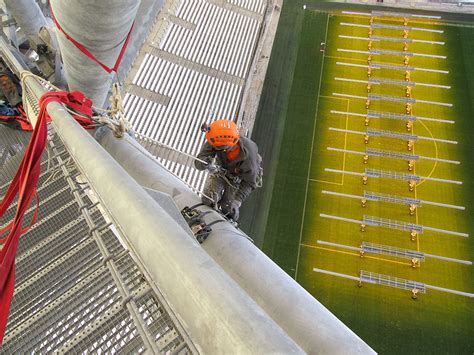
355 254
436 153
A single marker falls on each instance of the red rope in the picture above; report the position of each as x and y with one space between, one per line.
88 53
24 185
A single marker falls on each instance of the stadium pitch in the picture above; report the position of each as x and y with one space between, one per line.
398 118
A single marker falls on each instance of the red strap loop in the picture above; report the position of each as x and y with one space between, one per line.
24 185
88 53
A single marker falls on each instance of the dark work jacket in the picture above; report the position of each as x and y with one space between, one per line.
246 165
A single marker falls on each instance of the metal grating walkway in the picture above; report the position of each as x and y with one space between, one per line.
77 288
192 69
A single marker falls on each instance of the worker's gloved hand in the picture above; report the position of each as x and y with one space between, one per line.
211 167
234 210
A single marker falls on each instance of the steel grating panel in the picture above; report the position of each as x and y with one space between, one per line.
12 143
118 327
77 288
159 322
201 84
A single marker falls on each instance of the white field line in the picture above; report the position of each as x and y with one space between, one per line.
433 85
360 38
442 289
337 245
381 81
393 27
401 14
390 52
428 42
414 157
392 99
390 14
439 204
416 117
332 273
350 220
391 39
393 67
311 154
378 177
439 257
388 136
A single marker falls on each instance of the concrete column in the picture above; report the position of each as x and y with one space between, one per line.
28 15
101 27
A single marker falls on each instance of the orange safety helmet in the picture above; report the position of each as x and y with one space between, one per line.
222 134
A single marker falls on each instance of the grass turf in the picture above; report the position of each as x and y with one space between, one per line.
384 317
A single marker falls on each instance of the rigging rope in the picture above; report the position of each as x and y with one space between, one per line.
84 50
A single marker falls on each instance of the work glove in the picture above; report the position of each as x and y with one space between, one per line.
234 210
211 167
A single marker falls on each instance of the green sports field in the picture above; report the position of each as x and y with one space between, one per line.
301 101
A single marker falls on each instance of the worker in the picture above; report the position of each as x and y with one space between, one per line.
11 109
234 165
10 89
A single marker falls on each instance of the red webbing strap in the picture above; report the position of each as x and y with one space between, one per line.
88 53
24 185
24 123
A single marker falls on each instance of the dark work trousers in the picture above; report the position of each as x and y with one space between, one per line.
221 192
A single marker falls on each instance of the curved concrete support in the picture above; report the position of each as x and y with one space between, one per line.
101 27
308 322
218 314
28 15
